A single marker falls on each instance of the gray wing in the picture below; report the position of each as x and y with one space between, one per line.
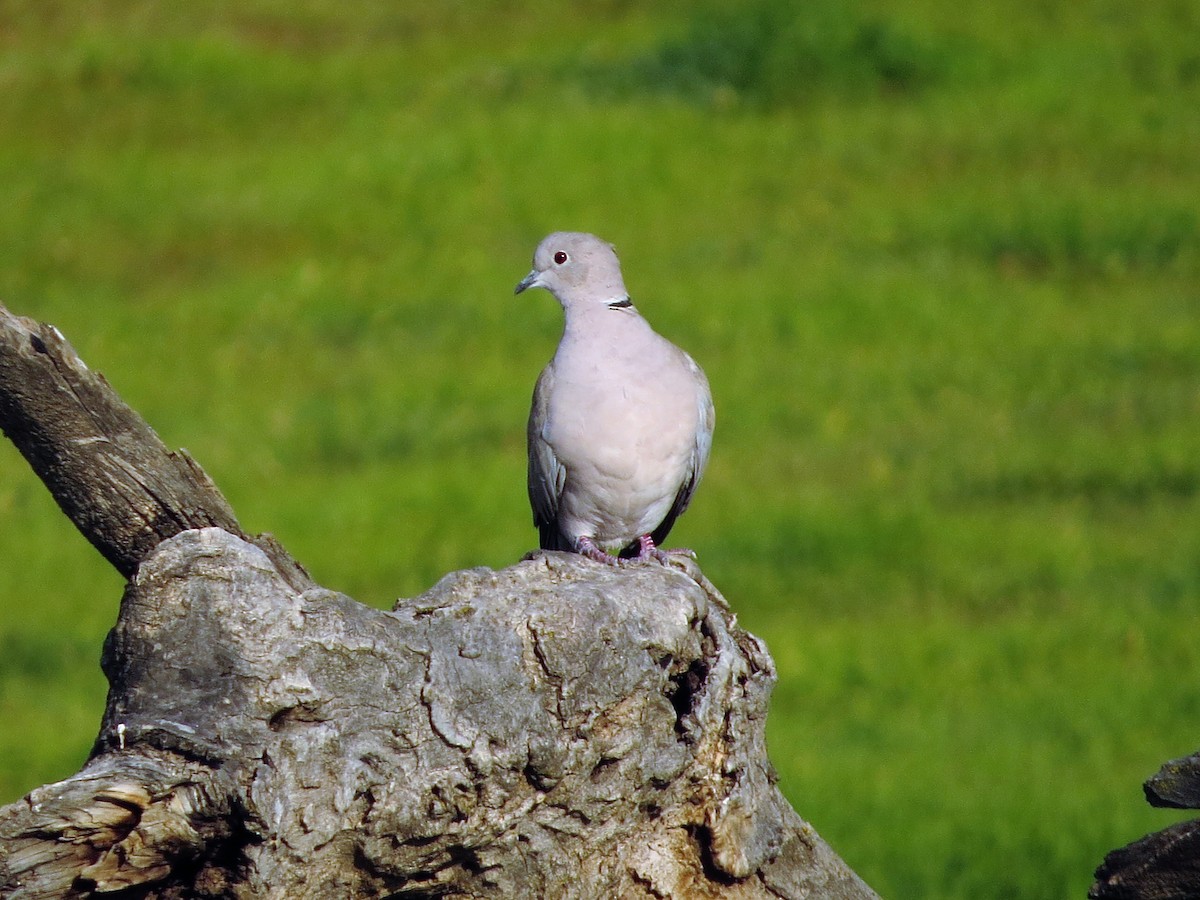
546 474
699 459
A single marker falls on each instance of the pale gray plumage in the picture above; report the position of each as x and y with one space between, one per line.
622 419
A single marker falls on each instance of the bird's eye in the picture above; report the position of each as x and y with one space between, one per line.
560 258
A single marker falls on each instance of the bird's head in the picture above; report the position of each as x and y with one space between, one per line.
577 269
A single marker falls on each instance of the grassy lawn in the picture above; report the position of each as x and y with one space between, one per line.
941 265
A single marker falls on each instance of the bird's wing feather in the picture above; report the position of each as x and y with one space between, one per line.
546 474
705 422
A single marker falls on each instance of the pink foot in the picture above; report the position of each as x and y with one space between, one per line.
647 550
588 548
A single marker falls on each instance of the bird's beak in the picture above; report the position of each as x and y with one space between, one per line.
530 280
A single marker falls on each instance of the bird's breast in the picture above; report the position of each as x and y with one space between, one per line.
619 425
625 435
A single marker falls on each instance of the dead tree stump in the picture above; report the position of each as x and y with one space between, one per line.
555 729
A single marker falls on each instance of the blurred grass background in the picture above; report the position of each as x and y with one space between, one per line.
941 264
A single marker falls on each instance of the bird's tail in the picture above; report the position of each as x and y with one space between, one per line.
550 538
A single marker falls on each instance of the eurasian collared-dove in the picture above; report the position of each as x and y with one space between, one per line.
622 419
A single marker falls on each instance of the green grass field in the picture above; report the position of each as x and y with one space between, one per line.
941 264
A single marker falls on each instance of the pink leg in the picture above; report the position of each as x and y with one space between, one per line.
588 548
647 550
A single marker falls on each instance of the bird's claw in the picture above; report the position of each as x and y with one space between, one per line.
590 549
647 551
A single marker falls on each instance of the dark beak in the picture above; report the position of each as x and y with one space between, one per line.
527 282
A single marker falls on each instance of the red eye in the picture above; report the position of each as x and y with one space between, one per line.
560 258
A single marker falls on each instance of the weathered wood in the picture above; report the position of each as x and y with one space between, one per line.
1161 866
126 820
108 470
1164 865
558 728
1177 784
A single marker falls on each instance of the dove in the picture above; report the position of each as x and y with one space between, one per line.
622 420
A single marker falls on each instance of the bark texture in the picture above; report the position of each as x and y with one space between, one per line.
555 729
1164 865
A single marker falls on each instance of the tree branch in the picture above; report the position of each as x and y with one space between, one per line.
108 470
